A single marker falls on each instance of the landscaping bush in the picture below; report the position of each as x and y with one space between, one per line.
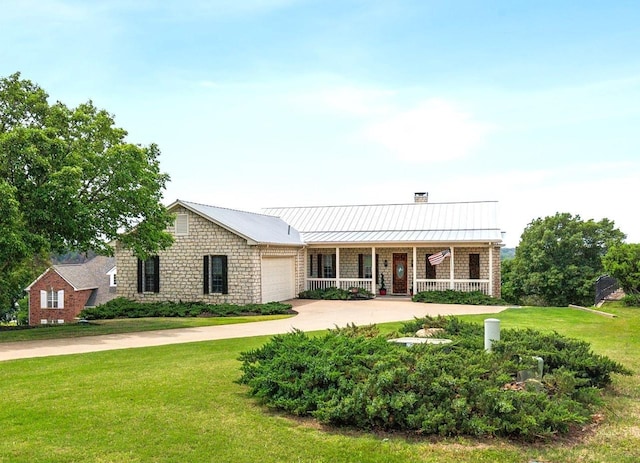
125 308
353 377
450 296
336 294
631 300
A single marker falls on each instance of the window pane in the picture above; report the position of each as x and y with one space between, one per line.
366 263
217 274
149 273
327 265
52 299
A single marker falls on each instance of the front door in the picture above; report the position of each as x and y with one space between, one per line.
400 273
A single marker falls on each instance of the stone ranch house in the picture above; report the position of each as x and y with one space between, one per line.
223 255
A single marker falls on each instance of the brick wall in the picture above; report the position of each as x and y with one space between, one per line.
74 301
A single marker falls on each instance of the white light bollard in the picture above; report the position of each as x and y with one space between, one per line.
491 332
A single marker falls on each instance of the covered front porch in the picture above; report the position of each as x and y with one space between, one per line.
404 270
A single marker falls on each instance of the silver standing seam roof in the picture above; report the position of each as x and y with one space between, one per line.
255 228
467 222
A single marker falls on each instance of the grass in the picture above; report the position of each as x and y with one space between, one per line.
180 403
123 325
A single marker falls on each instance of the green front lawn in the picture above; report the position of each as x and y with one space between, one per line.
180 403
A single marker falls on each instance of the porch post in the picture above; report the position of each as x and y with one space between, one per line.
374 274
337 267
490 270
414 285
305 275
452 272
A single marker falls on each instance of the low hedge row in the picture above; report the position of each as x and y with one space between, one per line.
450 296
125 308
354 377
336 294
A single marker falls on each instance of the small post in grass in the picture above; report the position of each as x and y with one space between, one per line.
491 332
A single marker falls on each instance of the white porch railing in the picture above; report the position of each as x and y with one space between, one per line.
458 285
320 283
421 285
345 283
432 285
471 285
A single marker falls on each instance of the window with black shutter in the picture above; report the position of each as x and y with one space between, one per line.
149 275
215 275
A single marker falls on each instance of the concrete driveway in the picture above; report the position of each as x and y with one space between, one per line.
312 315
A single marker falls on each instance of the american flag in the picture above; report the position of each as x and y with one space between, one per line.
438 257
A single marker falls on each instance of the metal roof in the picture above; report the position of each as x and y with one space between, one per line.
255 228
383 223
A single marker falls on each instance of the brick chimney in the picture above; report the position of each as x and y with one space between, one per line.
421 197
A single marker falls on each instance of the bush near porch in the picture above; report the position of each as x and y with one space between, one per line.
336 294
450 296
125 308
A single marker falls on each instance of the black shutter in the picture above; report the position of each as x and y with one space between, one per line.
156 274
205 275
139 275
225 273
360 266
377 268
320 273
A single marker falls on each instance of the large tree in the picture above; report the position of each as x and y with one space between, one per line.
622 262
69 179
560 257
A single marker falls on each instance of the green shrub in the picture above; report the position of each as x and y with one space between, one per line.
336 294
450 296
631 300
125 308
353 377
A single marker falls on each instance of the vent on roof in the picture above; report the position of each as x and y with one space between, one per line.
421 197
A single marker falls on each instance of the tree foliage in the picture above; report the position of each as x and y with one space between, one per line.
622 262
69 180
559 258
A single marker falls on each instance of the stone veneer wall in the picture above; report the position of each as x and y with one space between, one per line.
181 271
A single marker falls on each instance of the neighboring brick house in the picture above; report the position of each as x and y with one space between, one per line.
62 291
223 255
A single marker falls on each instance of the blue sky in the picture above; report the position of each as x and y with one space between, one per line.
261 103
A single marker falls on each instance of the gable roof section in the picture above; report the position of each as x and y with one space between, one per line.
255 228
92 275
383 223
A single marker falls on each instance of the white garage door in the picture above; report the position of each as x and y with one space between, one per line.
278 279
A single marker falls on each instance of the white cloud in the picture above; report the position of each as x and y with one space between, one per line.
435 130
